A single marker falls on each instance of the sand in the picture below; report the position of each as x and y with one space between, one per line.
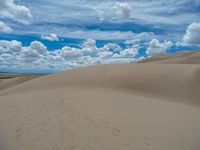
185 57
10 80
105 107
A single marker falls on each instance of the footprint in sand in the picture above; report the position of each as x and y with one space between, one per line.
115 131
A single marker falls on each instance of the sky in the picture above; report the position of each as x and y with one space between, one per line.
45 36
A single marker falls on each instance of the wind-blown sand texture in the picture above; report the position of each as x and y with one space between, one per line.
105 107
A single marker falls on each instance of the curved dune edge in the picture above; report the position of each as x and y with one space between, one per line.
184 57
7 83
132 106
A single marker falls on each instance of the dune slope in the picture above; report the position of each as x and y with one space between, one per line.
185 57
17 79
115 107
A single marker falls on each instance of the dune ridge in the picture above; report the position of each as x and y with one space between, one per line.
115 107
15 80
184 57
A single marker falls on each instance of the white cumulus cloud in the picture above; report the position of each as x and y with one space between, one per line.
36 56
155 47
51 37
111 47
9 9
129 52
13 46
38 46
89 47
192 36
70 52
123 9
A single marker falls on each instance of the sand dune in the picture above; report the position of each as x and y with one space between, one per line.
105 107
13 80
185 57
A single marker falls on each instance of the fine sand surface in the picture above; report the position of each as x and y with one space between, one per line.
105 107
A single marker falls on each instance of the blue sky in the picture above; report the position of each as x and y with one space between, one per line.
49 36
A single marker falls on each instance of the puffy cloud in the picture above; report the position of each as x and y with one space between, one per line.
89 47
132 42
108 50
4 28
111 47
105 54
70 53
89 43
51 37
34 52
129 52
9 9
123 9
155 47
192 35
15 46
5 44
12 46
36 56
38 47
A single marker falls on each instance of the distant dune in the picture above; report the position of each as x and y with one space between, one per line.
10 80
186 57
105 107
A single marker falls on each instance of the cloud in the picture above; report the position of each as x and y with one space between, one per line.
105 54
129 52
70 53
85 19
111 47
197 2
132 42
156 13
192 36
89 48
51 37
123 9
178 44
9 9
4 28
155 47
106 35
36 56
38 47
13 46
